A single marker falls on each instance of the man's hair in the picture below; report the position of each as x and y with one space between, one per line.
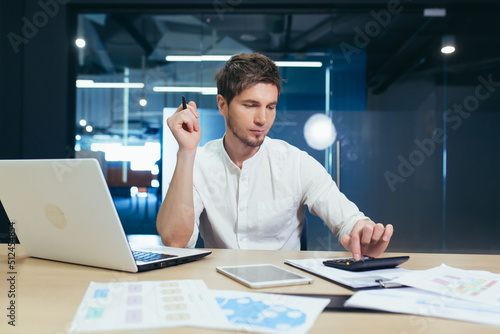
245 70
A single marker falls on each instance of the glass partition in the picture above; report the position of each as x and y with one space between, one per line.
415 142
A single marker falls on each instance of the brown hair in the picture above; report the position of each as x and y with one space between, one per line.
245 70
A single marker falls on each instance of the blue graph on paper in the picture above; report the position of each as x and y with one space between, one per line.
247 311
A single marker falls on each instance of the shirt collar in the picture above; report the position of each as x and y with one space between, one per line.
247 163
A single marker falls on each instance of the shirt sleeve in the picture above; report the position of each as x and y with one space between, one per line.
198 209
323 198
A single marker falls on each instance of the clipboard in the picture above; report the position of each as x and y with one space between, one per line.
355 281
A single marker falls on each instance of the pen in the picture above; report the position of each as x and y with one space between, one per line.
184 106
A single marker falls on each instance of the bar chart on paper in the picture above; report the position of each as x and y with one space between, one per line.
466 286
146 304
478 286
176 303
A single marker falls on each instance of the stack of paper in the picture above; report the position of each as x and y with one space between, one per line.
443 292
158 304
354 280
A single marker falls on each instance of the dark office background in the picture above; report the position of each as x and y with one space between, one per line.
392 94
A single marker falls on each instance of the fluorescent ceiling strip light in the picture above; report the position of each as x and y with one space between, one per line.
80 83
198 58
226 58
202 90
92 84
209 91
298 63
435 12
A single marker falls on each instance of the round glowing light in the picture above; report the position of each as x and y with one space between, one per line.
78 137
143 102
319 131
83 122
448 44
448 49
80 42
89 128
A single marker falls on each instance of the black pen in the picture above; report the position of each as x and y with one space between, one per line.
184 106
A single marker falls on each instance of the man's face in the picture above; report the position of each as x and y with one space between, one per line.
251 113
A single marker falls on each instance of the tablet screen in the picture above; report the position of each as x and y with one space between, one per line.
262 273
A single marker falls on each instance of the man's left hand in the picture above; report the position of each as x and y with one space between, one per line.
367 238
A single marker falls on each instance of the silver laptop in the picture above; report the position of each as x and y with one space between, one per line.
62 210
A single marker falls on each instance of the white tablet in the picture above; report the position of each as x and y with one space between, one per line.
263 275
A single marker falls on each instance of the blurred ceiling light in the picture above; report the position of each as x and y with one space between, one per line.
248 37
202 90
298 63
83 82
448 44
143 102
319 131
435 12
92 84
226 58
83 122
198 58
80 42
89 128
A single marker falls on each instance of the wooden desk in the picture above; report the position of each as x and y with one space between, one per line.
48 293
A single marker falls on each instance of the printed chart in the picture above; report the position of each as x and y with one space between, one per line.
414 301
478 286
176 303
465 286
148 304
269 313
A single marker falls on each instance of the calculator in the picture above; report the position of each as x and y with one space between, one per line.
366 263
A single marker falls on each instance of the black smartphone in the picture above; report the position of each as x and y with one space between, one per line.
366 263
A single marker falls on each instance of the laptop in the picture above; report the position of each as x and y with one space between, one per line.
62 210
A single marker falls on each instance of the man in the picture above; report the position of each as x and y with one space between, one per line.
247 190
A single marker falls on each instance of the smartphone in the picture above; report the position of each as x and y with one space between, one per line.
263 275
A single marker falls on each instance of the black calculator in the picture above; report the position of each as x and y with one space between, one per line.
366 263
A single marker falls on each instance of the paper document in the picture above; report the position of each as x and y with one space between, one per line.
415 301
478 286
355 280
157 304
269 313
147 304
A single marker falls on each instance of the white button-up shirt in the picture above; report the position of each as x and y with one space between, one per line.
262 205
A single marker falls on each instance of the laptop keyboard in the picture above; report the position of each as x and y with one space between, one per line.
150 256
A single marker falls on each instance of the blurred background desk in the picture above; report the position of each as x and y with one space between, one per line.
48 293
